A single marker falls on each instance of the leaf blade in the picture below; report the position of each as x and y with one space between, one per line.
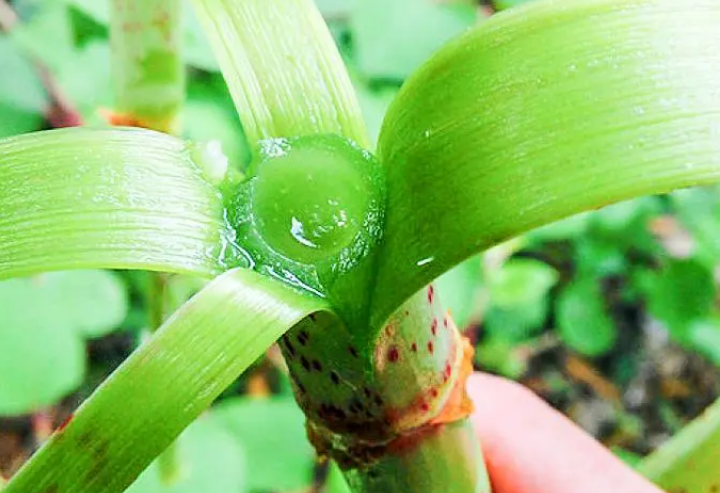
106 198
627 109
108 443
282 68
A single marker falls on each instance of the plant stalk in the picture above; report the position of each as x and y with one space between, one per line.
149 85
447 459
148 72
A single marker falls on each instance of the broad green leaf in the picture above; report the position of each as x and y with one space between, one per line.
47 35
565 229
498 354
521 280
20 87
688 461
511 127
282 68
41 358
14 121
208 115
519 298
682 293
85 80
598 257
196 48
98 10
582 318
106 198
333 9
93 302
699 212
374 103
209 459
165 385
392 38
272 433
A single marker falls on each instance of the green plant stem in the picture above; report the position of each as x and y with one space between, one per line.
164 385
689 460
447 460
148 70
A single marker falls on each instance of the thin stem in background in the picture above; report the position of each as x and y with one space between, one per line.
149 88
61 111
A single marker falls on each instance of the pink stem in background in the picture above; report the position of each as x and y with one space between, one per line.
60 112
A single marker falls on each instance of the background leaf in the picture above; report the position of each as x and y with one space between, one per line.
582 319
273 430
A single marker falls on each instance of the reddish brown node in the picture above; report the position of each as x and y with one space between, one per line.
393 354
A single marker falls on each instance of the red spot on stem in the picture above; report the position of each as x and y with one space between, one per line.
393 354
431 293
433 326
431 347
413 347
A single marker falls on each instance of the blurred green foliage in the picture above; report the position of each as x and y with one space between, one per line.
570 280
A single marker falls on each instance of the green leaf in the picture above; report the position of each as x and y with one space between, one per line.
521 281
393 37
460 290
582 318
565 229
137 200
519 299
336 482
93 302
688 461
44 358
196 48
157 392
374 104
210 461
208 115
704 335
20 87
272 433
86 80
14 121
98 10
511 127
282 67
47 35
699 212
682 293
